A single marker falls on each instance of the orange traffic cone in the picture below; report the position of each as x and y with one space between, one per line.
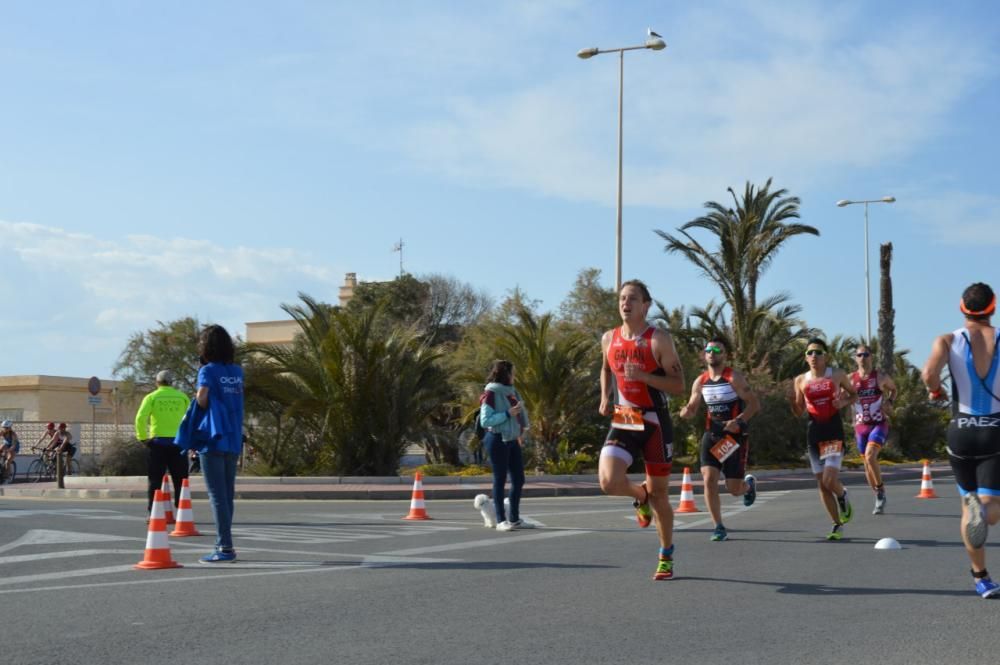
926 484
417 510
687 494
157 544
185 516
165 488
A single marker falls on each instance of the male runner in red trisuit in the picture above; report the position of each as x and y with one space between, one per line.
640 368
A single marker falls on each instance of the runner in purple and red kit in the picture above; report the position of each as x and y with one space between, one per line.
876 391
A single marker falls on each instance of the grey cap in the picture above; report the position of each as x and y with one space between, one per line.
165 376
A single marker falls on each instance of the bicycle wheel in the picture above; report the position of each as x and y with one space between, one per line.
34 472
11 472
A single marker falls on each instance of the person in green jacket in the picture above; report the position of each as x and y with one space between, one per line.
156 425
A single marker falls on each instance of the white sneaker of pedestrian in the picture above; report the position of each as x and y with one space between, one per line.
505 526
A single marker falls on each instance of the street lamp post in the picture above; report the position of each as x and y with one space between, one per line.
654 43
868 290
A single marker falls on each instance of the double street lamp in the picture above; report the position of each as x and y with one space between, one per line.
654 43
868 291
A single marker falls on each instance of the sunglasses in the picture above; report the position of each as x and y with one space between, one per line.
862 354
814 352
713 349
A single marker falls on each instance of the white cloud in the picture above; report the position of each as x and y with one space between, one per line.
808 100
88 294
955 217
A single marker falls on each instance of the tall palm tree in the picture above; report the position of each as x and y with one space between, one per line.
749 236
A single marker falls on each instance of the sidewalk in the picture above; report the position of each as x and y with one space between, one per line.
435 487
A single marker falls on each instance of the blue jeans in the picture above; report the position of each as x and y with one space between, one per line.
219 470
505 457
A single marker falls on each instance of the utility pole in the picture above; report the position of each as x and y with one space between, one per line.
398 247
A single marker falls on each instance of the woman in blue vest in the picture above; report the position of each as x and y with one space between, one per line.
220 392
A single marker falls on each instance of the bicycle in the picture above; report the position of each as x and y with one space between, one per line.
44 468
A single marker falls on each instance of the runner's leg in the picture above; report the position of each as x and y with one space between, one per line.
612 475
710 477
659 501
828 499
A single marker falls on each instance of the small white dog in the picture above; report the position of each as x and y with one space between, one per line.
484 505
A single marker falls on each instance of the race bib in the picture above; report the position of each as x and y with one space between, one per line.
627 417
830 448
726 446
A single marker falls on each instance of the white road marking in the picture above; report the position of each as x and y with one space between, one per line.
62 554
50 537
492 542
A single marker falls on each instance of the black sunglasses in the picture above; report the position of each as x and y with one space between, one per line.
814 352
862 354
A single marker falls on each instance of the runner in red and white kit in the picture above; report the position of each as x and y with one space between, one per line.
640 369
822 392
726 444
876 391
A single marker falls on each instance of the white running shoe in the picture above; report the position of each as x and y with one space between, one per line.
505 526
975 528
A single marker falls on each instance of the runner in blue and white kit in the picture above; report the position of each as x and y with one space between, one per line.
974 432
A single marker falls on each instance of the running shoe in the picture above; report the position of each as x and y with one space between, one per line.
751 494
880 502
220 556
987 588
836 532
643 513
506 526
521 524
846 511
720 534
975 528
664 569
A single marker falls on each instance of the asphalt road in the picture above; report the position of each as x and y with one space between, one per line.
350 582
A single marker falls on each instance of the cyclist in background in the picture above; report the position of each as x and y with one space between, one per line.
9 445
62 442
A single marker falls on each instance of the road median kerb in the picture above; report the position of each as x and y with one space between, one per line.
361 488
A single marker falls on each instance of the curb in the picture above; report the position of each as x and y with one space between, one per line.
398 488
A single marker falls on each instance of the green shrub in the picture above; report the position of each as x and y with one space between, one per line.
568 462
473 470
123 457
437 469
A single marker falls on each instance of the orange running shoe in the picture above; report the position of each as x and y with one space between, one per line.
643 513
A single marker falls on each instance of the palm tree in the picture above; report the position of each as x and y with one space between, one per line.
554 375
364 388
769 339
749 236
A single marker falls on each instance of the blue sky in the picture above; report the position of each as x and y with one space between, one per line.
159 160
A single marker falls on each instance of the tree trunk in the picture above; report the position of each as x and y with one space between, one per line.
886 314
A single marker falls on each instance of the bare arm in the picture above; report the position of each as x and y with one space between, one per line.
751 404
888 387
846 388
690 410
935 363
798 401
202 397
606 379
666 355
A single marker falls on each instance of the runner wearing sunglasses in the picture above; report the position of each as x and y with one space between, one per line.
640 369
876 392
725 444
822 392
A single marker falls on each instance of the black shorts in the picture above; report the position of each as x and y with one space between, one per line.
735 465
817 433
655 443
974 453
